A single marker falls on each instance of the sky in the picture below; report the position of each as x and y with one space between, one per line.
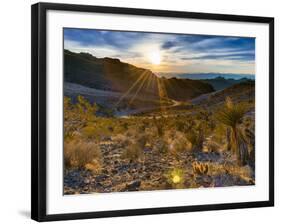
167 53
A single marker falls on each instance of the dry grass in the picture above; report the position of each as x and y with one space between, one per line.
213 146
133 152
189 152
82 154
161 146
121 139
94 166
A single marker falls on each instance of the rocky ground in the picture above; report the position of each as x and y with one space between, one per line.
156 171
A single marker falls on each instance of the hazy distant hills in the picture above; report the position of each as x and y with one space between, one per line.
217 80
222 83
201 76
110 74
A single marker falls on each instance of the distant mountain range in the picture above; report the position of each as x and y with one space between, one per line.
110 74
198 76
221 83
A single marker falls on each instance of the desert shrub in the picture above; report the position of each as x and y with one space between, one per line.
86 108
250 137
159 124
94 166
121 138
192 137
121 127
184 125
98 130
213 146
179 125
77 115
89 132
161 146
140 126
204 115
133 152
141 140
131 134
79 154
105 112
196 138
169 135
135 147
179 143
219 133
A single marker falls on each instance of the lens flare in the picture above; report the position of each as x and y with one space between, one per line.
176 179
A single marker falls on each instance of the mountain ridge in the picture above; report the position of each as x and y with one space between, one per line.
114 75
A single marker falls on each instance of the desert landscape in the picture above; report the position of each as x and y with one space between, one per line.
128 128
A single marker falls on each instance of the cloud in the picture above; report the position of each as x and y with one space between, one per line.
90 37
95 50
168 45
231 56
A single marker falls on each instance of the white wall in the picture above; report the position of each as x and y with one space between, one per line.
15 109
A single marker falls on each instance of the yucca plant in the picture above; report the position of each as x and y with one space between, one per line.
231 115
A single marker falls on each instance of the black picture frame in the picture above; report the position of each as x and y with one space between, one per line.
38 70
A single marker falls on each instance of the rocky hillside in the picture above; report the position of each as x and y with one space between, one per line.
240 92
114 75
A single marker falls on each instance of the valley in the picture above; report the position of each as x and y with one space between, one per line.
126 129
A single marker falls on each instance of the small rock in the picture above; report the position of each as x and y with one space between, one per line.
101 177
87 181
133 186
114 171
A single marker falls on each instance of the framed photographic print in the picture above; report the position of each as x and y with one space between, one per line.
138 111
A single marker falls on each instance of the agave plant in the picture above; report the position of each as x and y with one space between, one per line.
200 168
231 115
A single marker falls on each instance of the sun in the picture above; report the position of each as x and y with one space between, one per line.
154 57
